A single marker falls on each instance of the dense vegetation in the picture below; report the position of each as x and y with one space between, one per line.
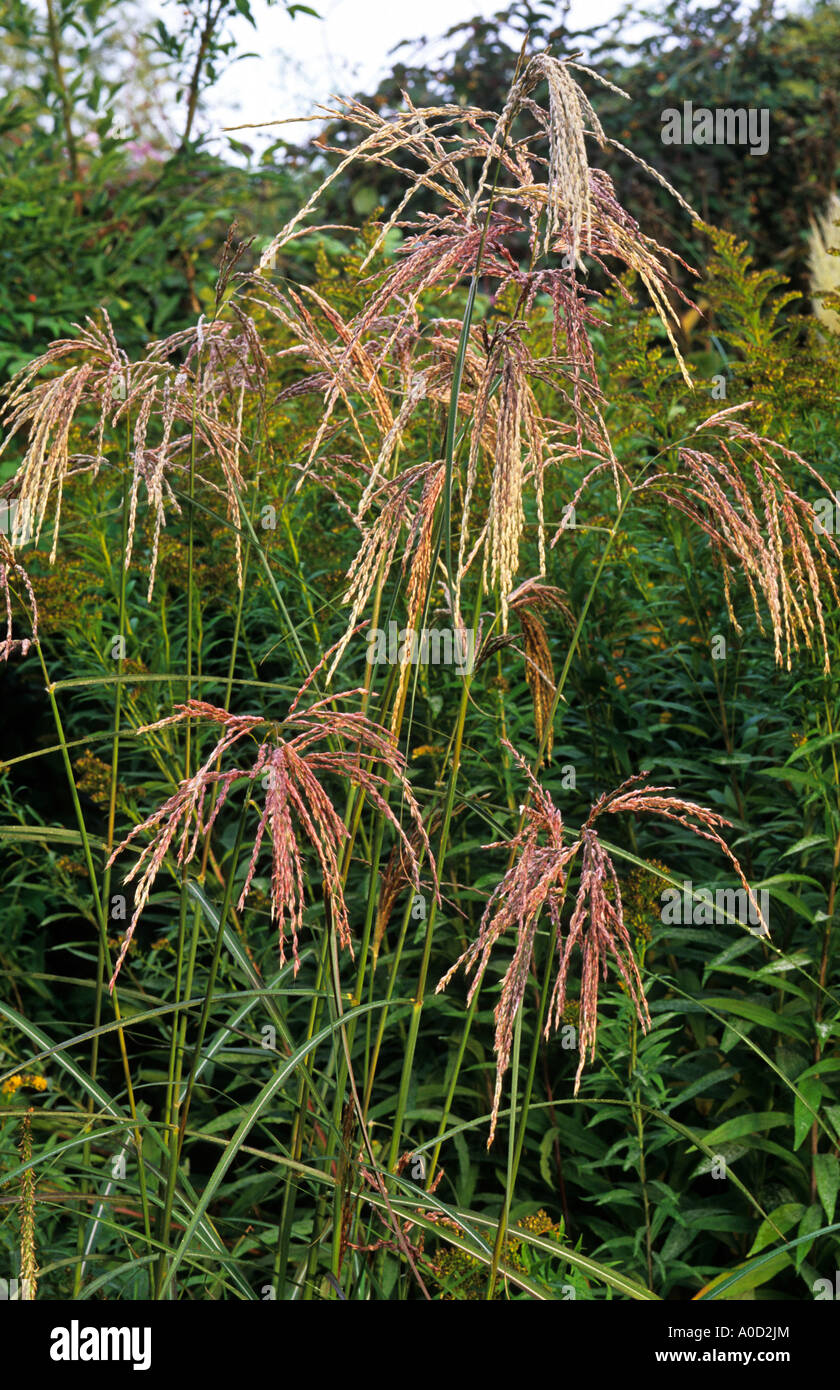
485 1061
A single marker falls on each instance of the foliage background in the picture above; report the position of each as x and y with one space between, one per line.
743 1054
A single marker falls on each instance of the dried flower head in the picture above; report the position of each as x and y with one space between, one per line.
538 879
757 524
10 570
379 547
46 410
530 602
291 758
388 362
171 398
824 263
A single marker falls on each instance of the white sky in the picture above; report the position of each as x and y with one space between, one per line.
302 60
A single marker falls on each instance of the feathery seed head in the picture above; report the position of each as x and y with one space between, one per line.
538 880
10 570
290 761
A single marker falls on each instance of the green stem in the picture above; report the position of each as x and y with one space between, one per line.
515 1157
418 1001
103 932
178 1038
214 967
109 844
468 1021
